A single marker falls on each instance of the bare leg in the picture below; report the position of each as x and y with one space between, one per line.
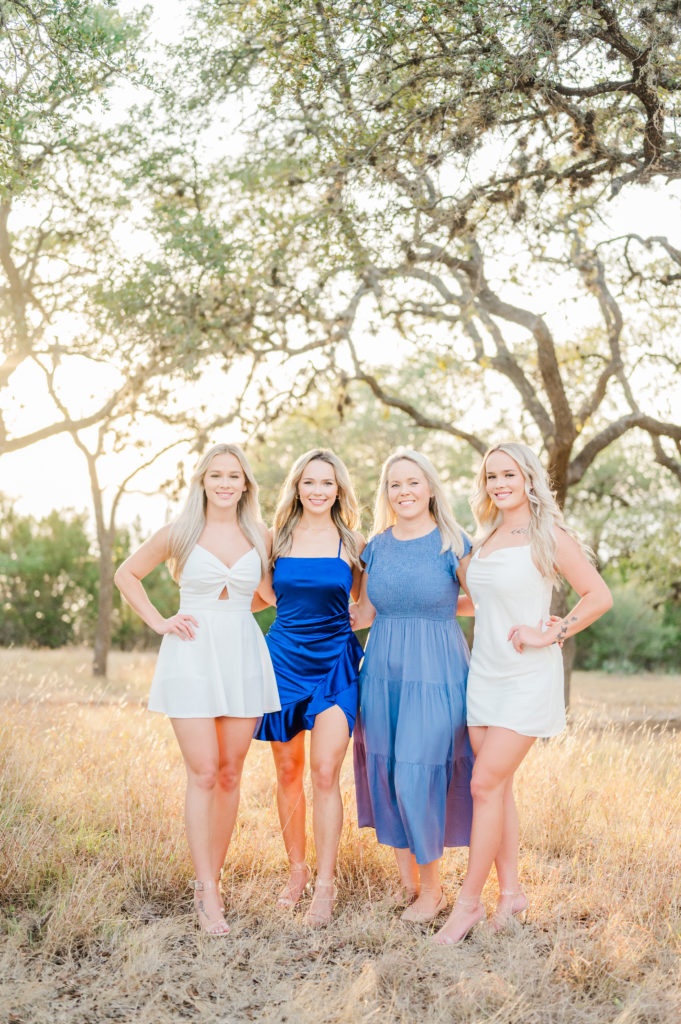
289 759
512 899
198 740
234 738
430 900
328 744
498 753
409 873
507 855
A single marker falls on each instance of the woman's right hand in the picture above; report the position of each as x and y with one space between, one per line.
181 625
361 616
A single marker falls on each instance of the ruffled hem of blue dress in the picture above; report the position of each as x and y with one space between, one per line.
337 688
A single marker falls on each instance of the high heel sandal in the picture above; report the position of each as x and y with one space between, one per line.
291 894
211 925
413 916
498 921
316 916
468 904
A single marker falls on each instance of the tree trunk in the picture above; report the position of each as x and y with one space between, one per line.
104 607
559 606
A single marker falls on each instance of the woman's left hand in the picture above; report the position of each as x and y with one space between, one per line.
526 636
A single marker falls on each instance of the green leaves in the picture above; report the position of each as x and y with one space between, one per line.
56 61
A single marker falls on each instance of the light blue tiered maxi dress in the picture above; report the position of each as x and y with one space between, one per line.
413 759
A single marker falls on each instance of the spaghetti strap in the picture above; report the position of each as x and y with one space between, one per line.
340 545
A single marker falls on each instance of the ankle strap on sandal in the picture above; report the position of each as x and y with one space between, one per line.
469 902
200 886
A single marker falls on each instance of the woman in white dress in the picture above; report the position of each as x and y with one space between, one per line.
214 676
515 683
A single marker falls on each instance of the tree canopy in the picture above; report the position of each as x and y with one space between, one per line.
441 169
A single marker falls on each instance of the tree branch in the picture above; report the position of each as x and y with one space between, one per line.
656 428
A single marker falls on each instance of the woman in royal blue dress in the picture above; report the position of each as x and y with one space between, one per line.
316 566
413 760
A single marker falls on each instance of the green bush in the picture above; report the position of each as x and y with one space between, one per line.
639 633
47 578
49 583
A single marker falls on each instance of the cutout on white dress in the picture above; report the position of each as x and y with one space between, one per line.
224 594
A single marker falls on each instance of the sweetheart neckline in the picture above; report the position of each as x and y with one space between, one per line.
507 547
224 564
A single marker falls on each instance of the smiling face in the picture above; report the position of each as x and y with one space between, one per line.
505 482
317 487
409 493
224 481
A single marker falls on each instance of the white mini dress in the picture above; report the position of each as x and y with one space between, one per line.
226 668
522 692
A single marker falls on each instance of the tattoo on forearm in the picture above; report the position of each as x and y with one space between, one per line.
564 626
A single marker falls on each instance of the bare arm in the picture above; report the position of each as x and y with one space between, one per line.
362 613
594 598
264 595
464 605
259 603
128 579
357 574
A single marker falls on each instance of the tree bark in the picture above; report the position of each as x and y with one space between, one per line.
559 606
102 639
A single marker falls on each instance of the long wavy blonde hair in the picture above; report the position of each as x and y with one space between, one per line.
186 529
545 515
344 511
384 514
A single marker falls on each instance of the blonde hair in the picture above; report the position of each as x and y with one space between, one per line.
545 515
384 514
186 529
344 512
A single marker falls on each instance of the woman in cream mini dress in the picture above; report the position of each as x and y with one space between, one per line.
214 677
515 682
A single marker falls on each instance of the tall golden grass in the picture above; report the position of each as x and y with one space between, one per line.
96 918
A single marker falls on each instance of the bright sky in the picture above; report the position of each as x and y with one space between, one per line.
54 475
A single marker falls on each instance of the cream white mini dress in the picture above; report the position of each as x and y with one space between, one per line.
226 668
523 692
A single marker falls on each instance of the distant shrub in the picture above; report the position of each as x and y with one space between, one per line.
49 583
639 633
47 578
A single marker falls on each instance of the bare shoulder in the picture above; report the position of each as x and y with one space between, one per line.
565 543
160 541
570 555
152 552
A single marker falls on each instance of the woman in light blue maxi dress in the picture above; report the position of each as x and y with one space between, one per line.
412 757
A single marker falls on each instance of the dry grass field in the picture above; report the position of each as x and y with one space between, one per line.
96 921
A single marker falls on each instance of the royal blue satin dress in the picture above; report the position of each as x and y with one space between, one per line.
315 654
